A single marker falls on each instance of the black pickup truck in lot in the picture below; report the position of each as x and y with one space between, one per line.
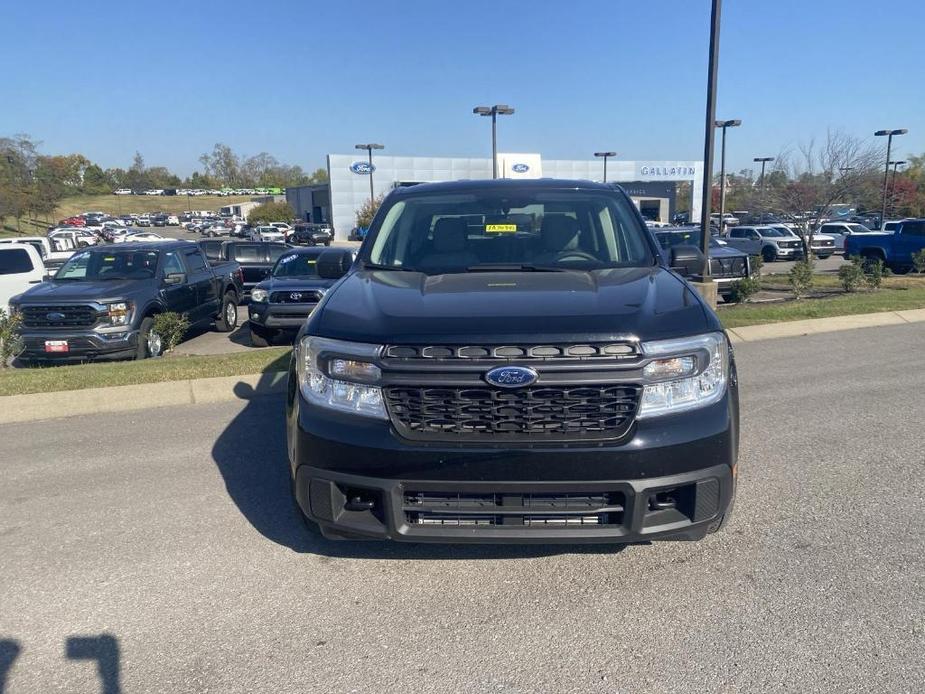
728 264
102 302
255 258
281 303
512 361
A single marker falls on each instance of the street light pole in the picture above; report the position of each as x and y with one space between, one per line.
761 186
369 149
722 168
894 164
605 155
886 172
708 137
494 112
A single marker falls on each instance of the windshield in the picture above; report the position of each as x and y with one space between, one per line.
115 265
772 233
859 229
529 229
296 265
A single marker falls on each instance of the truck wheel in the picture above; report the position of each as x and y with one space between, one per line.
258 339
150 343
768 254
228 316
327 243
823 257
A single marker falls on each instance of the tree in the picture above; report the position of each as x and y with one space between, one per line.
223 165
136 177
18 159
367 212
271 212
96 181
320 176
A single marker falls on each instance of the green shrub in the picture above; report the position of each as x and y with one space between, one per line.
171 327
918 260
801 278
11 344
745 289
874 272
851 276
757 262
271 212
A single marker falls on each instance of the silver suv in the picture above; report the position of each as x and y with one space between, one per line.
770 243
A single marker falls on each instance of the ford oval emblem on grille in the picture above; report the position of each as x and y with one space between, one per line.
54 316
296 296
511 376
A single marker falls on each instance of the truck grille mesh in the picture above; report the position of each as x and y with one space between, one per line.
552 413
58 316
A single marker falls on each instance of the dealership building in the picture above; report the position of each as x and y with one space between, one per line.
651 184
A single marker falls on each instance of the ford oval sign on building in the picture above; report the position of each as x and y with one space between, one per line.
511 376
520 168
364 168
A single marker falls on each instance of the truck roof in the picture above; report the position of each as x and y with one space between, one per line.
141 246
502 184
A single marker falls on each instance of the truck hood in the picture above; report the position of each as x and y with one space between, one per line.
406 307
69 290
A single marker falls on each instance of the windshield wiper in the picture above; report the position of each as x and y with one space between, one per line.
396 268
515 267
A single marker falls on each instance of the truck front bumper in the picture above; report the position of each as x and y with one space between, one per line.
287 317
671 478
83 345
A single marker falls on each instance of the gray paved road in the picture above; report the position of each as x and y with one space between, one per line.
160 548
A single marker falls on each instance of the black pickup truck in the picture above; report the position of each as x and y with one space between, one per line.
102 302
728 264
512 361
255 258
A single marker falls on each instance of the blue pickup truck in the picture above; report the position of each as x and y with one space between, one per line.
894 249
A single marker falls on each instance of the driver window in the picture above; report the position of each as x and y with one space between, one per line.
172 264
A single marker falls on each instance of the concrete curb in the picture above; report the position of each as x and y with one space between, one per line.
142 396
68 403
817 326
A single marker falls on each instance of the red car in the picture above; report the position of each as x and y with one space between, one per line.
73 222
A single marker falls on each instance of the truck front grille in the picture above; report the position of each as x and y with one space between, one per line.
306 296
546 510
533 413
58 316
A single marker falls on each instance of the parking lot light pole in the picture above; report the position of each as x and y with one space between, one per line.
708 138
761 188
894 164
886 172
722 168
494 112
605 155
369 149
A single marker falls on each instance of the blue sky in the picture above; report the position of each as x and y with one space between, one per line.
301 79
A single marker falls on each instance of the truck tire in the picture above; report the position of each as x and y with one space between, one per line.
149 343
258 339
228 314
768 254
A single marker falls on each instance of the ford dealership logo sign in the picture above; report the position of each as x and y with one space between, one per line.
364 168
511 376
520 168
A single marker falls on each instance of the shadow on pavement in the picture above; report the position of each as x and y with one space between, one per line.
252 459
104 649
9 651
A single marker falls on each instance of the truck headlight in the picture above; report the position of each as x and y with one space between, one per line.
260 296
119 313
339 375
688 373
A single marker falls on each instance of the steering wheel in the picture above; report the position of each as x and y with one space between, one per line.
575 255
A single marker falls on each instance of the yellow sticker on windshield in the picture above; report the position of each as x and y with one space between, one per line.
504 228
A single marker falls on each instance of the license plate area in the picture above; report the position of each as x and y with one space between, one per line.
57 346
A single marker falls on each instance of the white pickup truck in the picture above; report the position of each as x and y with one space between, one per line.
51 256
21 268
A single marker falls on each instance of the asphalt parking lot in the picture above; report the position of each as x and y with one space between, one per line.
157 551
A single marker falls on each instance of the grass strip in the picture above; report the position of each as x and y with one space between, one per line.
170 368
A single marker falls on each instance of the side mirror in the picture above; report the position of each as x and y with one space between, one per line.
175 278
334 263
687 260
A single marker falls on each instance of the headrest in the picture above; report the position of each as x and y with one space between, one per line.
559 232
450 235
